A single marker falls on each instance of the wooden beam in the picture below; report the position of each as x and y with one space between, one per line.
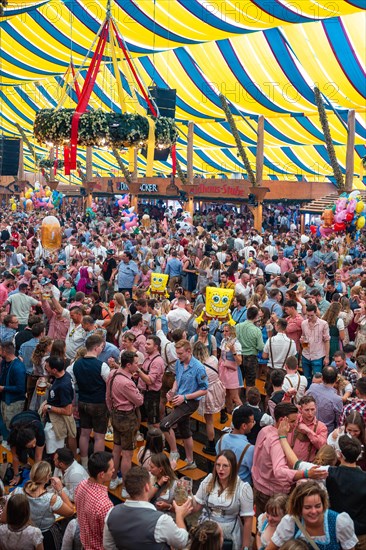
190 153
259 159
89 163
350 152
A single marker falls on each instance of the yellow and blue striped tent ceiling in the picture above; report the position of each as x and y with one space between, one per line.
264 56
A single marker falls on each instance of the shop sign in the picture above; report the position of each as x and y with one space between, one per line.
224 189
144 187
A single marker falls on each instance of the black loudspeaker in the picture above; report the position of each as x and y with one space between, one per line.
165 99
9 156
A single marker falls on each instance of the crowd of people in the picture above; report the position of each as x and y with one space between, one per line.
90 356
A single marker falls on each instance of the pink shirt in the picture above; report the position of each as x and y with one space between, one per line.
270 472
125 396
305 446
140 340
316 334
285 265
3 294
58 326
154 368
294 329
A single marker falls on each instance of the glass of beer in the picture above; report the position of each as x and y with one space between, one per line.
41 386
183 490
305 343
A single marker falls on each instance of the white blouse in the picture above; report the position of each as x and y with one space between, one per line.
224 505
344 529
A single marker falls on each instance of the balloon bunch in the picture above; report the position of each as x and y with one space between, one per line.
128 216
42 197
346 215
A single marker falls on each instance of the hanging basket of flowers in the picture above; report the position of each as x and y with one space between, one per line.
57 163
98 128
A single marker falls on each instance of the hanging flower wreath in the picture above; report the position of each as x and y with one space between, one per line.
98 128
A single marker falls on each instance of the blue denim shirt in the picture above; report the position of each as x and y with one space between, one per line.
173 268
126 274
6 334
25 352
192 378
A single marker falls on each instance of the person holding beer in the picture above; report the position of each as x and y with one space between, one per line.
315 342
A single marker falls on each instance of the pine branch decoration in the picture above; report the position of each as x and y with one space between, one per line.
180 173
328 139
125 172
235 132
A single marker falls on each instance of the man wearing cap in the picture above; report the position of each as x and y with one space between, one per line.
21 305
109 271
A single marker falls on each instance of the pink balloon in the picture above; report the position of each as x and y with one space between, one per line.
352 205
120 203
125 200
340 216
128 225
50 205
324 231
341 205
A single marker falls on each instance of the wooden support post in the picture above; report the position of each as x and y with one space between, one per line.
89 163
52 159
302 223
190 153
350 152
257 211
134 201
190 206
260 151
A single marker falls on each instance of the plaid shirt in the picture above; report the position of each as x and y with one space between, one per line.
358 405
92 505
350 374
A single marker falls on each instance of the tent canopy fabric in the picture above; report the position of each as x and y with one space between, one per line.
264 56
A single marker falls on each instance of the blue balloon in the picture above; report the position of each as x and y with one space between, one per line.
318 234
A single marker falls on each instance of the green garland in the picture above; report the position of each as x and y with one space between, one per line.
328 139
122 166
97 128
180 173
60 164
235 132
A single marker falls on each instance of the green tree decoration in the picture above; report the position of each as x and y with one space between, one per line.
328 139
235 132
181 174
126 173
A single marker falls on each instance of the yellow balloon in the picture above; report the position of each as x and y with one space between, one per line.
48 193
28 194
360 222
13 207
360 206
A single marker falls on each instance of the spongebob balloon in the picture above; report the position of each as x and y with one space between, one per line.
218 301
157 288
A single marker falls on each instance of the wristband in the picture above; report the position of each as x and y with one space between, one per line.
306 474
156 485
185 398
282 437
